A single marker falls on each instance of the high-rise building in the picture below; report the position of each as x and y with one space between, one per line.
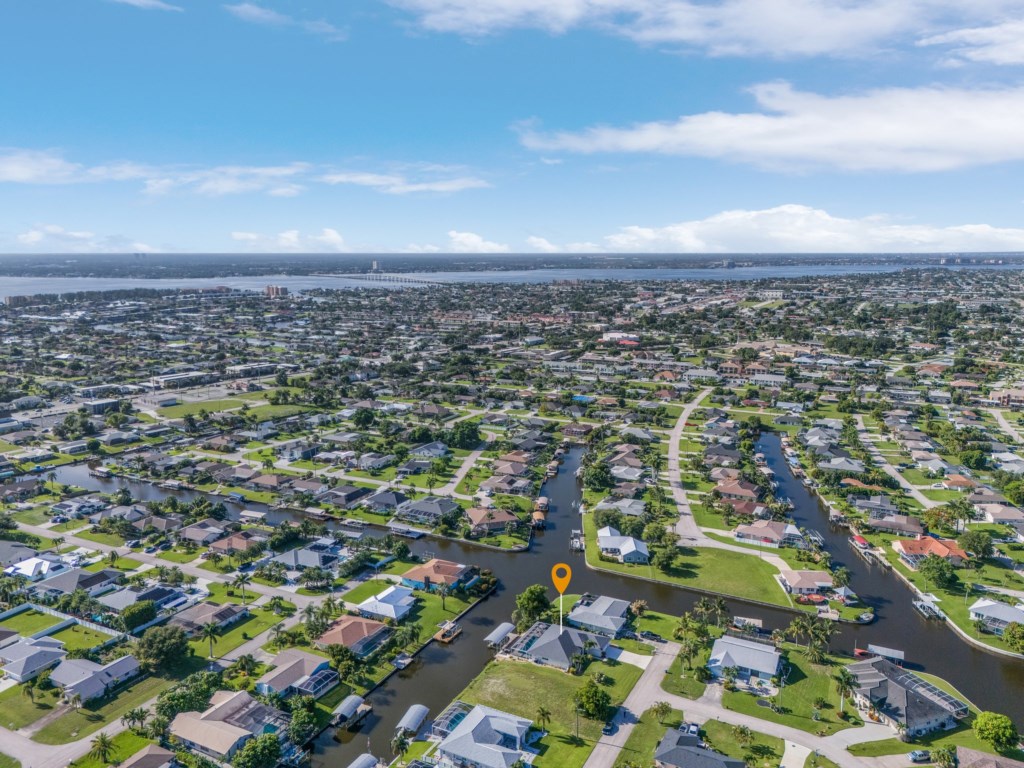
275 291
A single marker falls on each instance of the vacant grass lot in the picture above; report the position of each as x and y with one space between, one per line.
713 570
210 406
110 539
521 688
763 749
29 622
19 710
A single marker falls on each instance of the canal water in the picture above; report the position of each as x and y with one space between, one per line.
442 671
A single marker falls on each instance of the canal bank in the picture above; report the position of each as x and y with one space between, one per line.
442 671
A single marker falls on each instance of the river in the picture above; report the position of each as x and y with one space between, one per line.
442 671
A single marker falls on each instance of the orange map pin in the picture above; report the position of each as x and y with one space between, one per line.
561 574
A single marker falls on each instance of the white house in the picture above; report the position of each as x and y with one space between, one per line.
625 549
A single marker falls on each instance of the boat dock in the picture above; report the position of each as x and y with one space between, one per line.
448 631
406 530
928 610
350 712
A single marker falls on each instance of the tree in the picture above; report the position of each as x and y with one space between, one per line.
101 747
543 717
937 571
137 614
977 543
845 683
664 559
399 743
638 608
593 700
264 751
841 576
532 604
302 726
1014 636
210 631
742 734
998 730
661 710
944 757
240 581
163 647
598 477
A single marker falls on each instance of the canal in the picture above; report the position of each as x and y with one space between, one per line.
442 671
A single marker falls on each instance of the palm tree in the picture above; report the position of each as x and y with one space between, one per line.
209 631
661 709
688 648
443 592
240 581
721 609
29 689
276 603
703 608
845 682
543 717
276 632
799 627
246 664
101 747
75 701
399 744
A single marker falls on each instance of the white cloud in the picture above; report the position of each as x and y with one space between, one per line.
894 129
149 5
398 184
777 28
230 180
996 44
292 241
257 14
470 242
803 229
542 244
51 238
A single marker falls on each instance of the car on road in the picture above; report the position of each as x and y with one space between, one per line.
919 756
609 728
149 550
132 544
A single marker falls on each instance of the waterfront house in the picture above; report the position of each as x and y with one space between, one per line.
484 738
996 615
297 672
770 533
913 551
625 549
901 699
603 615
232 718
392 604
436 573
805 582
485 520
558 647
359 635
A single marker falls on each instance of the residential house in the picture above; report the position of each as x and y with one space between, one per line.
751 659
25 659
485 520
393 603
625 549
434 450
360 635
913 551
37 568
324 552
603 615
678 749
383 502
194 618
903 700
203 532
485 738
436 573
90 680
996 615
241 541
806 582
555 646
93 583
428 510
770 533
151 756
297 672
232 718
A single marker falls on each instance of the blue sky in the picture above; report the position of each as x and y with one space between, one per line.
511 125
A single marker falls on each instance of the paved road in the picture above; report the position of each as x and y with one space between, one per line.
689 533
890 470
648 691
1005 425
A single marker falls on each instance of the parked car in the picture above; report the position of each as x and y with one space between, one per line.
149 550
693 729
132 544
920 756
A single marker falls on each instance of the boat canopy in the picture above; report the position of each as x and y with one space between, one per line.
349 706
412 719
365 760
500 633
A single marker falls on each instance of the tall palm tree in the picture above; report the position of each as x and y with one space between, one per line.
703 608
276 632
543 717
443 592
721 609
845 681
75 701
240 581
246 664
399 743
276 603
29 690
210 631
101 747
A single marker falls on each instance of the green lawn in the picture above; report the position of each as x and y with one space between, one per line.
29 622
210 406
365 590
806 683
818 761
110 539
121 564
639 747
6 761
712 570
765 750
522 688
126 744
77 636
180 555
258 622
19 711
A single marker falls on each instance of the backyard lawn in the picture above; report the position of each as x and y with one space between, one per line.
29 622
121 564
522 688
78 637
640 746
